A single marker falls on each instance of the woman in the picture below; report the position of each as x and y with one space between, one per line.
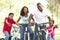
25 21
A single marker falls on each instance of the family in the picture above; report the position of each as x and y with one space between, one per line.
40 18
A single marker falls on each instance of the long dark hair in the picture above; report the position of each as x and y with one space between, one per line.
22 12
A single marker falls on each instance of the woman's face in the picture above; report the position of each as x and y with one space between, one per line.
25 10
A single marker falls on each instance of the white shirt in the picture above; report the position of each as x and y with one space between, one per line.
41 17
24 20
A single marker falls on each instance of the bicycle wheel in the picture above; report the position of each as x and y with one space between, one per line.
26 36
39 35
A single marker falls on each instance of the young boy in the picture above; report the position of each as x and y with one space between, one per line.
51 29
8 25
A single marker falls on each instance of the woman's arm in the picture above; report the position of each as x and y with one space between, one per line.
18 19
32 17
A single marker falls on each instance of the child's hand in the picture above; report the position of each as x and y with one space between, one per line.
56 26
9 24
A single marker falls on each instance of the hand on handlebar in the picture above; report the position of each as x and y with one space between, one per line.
31 24
18 24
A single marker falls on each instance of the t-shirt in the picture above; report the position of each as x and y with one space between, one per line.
41 17
6 26
50 30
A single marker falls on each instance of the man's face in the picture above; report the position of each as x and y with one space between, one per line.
40 7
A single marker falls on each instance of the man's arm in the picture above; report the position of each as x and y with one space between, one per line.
49 18
31 18
48 14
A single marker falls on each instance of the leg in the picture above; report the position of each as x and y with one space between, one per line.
43 35
49 37
43 32
35 33
10 37
22 30
53 38
31 32
7 35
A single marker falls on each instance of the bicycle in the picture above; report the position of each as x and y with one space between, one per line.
26 34
39 34
14 34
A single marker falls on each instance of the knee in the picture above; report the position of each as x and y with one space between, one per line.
43 32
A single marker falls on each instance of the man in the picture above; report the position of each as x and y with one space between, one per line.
40 20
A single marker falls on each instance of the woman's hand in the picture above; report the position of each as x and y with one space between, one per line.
32 24
29 24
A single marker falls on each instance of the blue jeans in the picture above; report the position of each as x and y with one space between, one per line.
50 37
7 35
42 31
22 30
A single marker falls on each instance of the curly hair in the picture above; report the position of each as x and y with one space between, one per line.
22 12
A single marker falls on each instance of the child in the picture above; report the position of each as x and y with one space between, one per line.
8 25
51 29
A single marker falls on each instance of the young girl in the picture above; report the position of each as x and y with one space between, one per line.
25 21
51 29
